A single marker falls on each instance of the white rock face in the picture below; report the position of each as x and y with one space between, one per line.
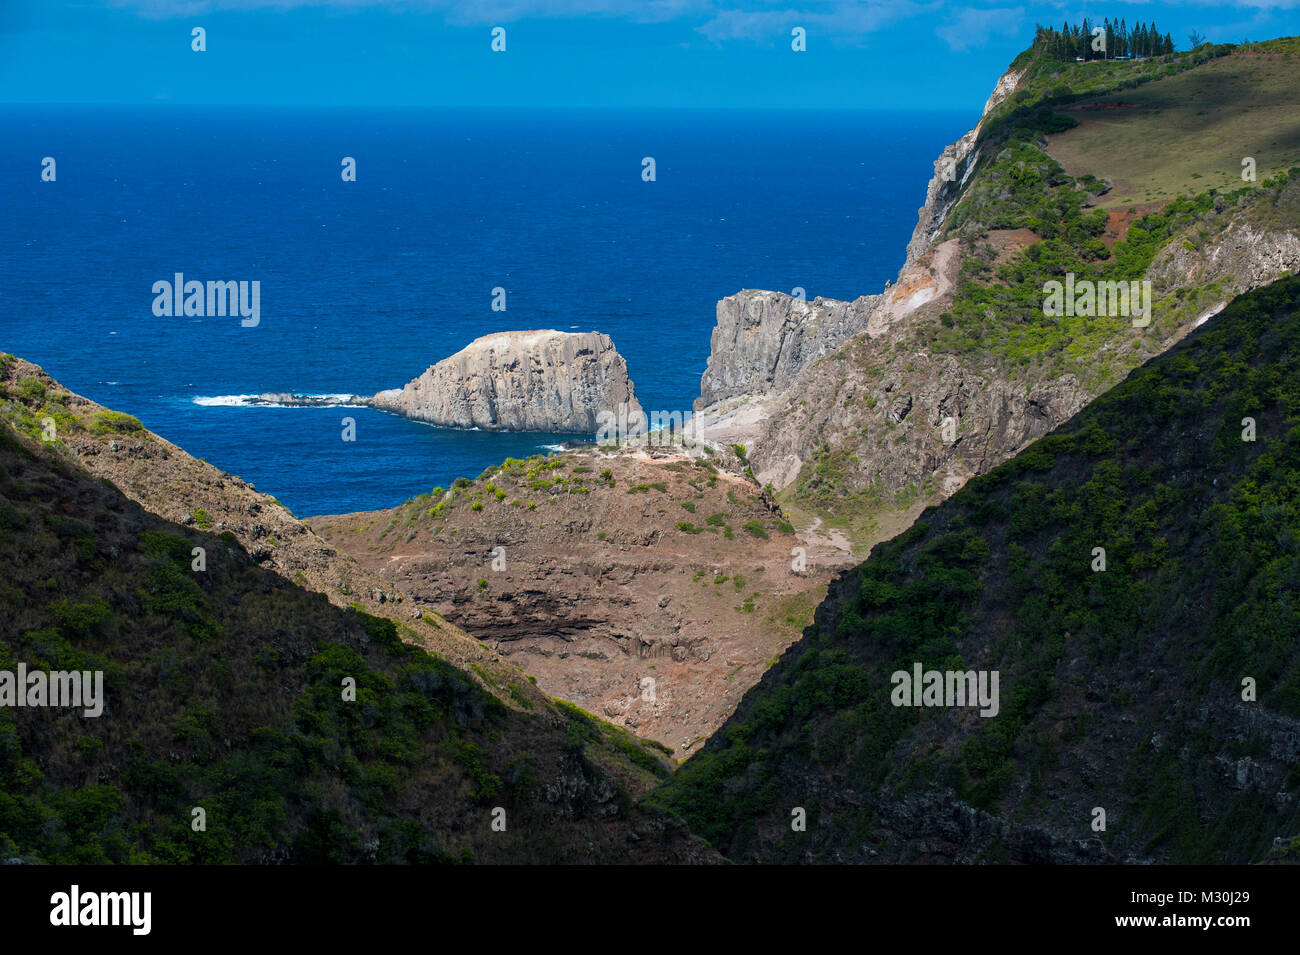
764 339
519 381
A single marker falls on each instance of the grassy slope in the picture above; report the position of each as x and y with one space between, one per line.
224 692
1119 689
1189 132
1020 183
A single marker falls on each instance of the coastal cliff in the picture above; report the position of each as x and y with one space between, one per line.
858 414
763 339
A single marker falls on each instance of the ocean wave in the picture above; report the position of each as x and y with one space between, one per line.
223 401
258 401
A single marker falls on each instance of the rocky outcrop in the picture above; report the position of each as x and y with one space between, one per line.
545 381
924 419
1243 257
764 339
520 381
952 170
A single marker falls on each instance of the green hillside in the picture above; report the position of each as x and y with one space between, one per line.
1190 131
225 692
1120 689
1102 192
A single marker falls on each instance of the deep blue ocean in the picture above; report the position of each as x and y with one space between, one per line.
365 284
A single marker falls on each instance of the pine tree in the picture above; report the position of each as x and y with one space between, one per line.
1074 41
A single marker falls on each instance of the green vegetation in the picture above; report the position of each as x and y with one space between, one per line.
1184 134
585 729
228 688
1134 671
644 488
997 313
116 422
1116 40
269 793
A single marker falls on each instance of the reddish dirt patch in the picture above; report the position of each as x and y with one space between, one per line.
906 289
1118 221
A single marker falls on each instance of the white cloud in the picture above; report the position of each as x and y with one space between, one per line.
463 11
973 26
718 20
836 19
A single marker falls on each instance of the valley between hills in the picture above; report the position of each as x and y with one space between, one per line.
648 651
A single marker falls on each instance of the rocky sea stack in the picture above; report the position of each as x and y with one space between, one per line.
545 380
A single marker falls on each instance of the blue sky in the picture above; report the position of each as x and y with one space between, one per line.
567 53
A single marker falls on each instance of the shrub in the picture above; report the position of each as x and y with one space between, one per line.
31 388
116 422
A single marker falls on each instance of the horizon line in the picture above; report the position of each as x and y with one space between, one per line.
495 106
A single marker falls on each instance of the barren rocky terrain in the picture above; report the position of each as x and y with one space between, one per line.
648 586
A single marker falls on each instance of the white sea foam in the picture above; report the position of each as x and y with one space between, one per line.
223 401
246 401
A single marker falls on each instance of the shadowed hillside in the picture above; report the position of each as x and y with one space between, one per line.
1120 689
226 691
